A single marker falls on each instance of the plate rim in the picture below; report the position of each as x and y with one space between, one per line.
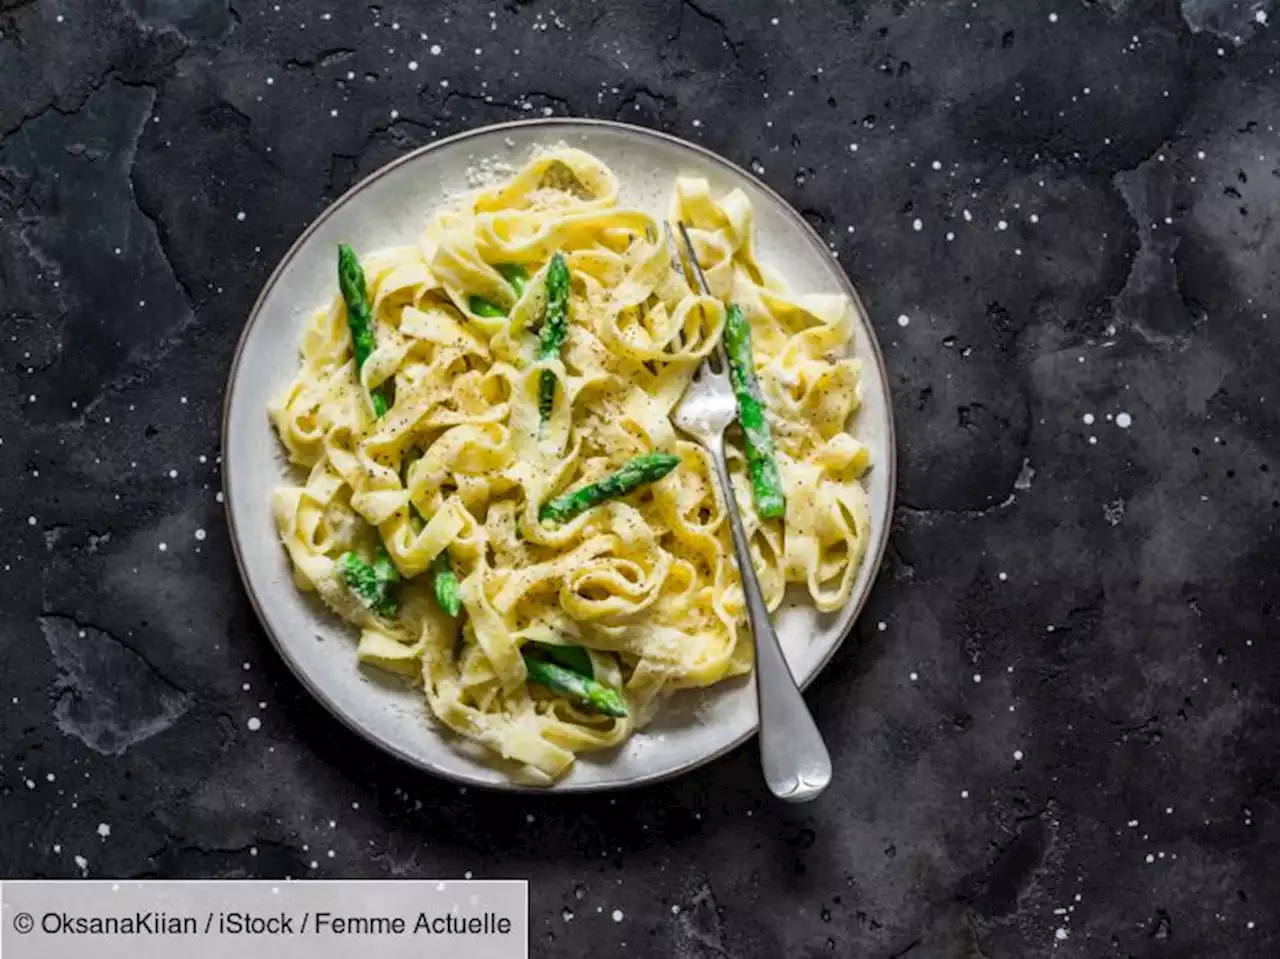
874 555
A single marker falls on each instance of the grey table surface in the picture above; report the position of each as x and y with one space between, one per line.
1056 728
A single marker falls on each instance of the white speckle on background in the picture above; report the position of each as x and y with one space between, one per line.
201 534
413 64
1060 934
82 863
1053 18
1004 577
964 794
1150 858
104 830
882 625
1088 419
240 216
917 224
914 677
1002 225
617 915
1124 420
903 320
254 724
435 49
1017 755
31 521
977 677
162 547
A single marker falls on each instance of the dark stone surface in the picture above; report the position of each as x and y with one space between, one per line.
1114 587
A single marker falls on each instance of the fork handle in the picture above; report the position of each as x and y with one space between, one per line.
797 766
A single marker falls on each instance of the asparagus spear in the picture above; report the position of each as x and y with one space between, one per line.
359 318
555 325
376 584
633 474
482 307
586 692
766 483
514 274
570 657
444 583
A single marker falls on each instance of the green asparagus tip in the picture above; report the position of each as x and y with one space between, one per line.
632 475
582 690
445 585
374 585
482 307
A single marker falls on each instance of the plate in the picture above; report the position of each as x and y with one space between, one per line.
389 208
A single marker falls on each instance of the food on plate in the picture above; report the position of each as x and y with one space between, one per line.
488 485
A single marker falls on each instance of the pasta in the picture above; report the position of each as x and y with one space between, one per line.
640 590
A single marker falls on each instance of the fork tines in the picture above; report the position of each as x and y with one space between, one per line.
716 360
692 257
677 263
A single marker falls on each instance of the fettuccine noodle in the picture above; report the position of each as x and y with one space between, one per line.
645 583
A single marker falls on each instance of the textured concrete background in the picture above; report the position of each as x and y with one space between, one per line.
1056 731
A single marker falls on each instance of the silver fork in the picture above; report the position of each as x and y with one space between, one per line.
797 766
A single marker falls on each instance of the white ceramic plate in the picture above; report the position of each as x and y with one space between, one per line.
390 208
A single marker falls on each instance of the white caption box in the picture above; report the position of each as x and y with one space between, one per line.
212 919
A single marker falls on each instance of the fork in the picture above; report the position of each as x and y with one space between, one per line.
796 764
